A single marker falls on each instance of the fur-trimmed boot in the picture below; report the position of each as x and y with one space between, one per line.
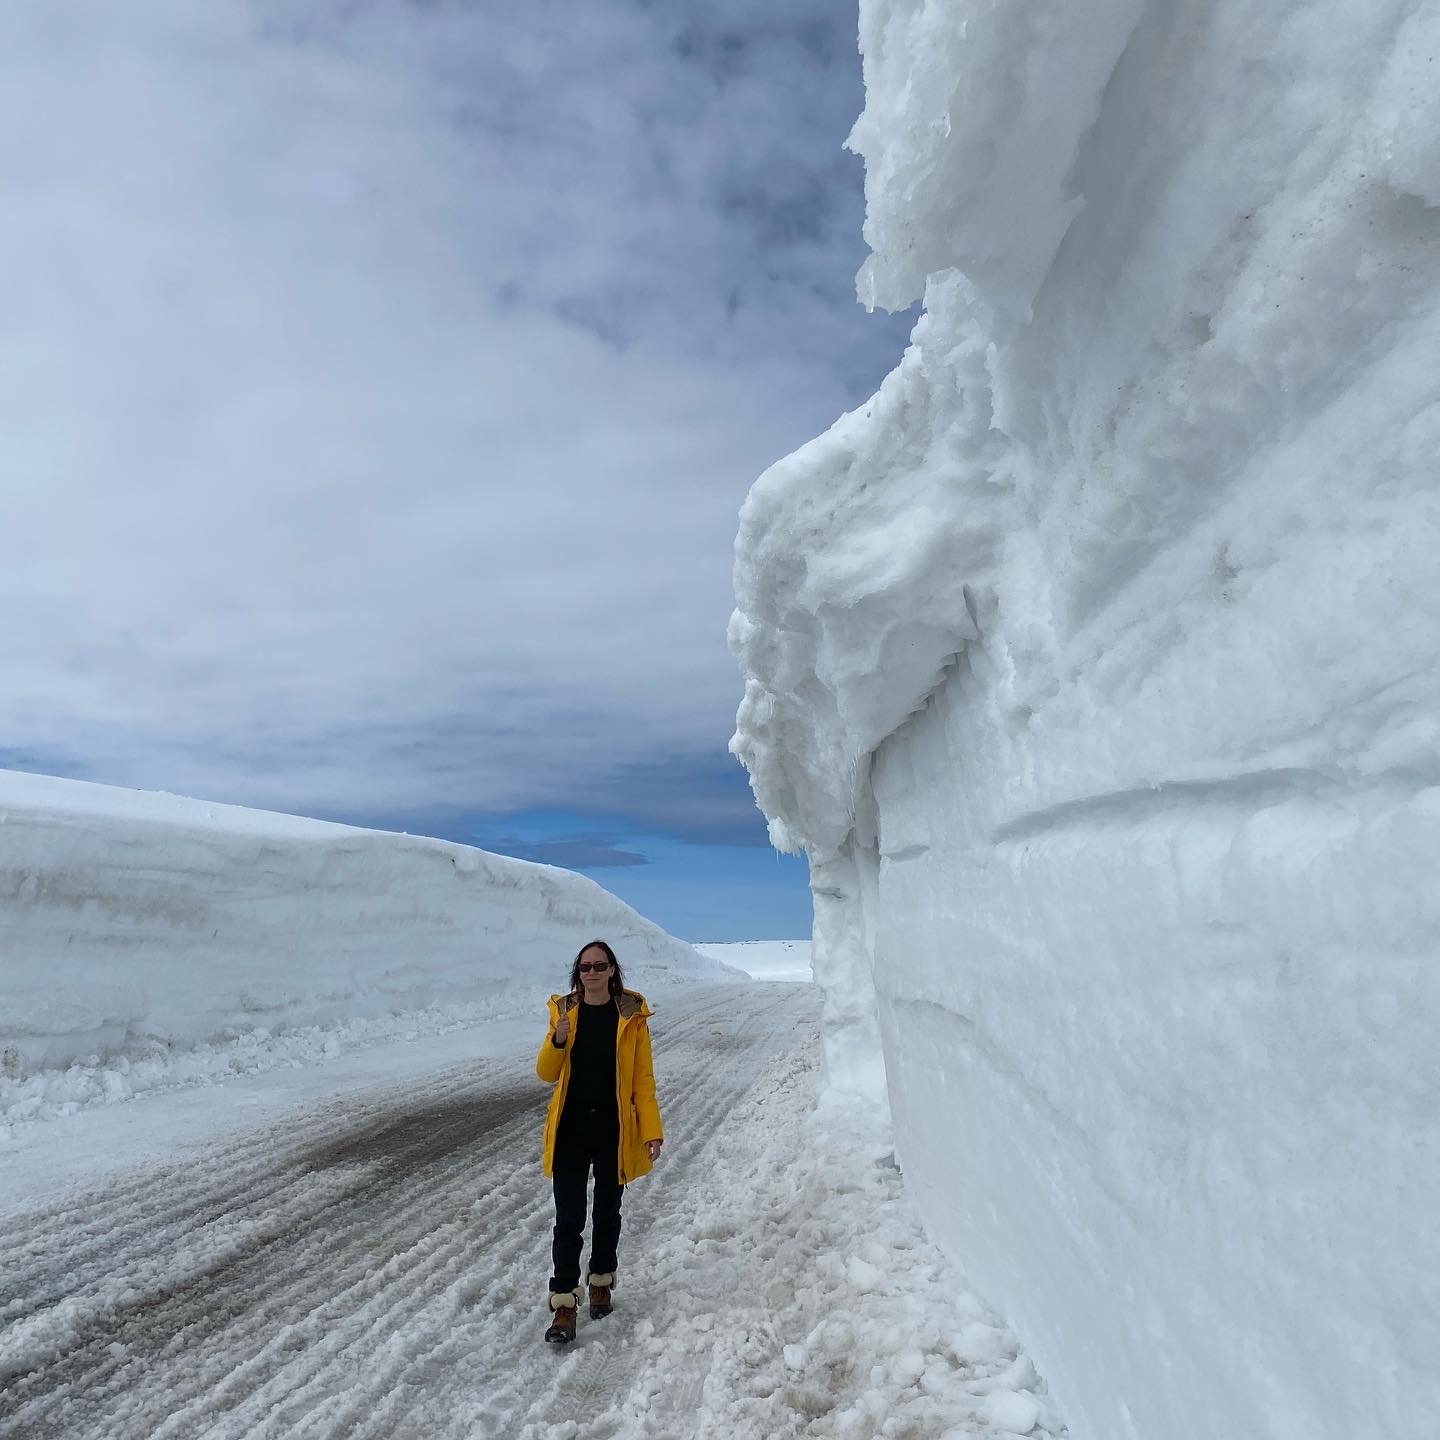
600 1287
562 1308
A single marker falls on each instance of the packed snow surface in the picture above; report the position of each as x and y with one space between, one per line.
765 959
1094 664
370 1259
147 940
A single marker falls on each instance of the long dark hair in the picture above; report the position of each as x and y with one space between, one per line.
617 977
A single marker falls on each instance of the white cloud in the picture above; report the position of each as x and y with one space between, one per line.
377 396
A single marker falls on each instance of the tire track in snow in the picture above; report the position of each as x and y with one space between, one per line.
269 1274
368 1257
172 1203
369 1304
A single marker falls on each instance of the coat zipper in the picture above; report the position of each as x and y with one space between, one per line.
620 1114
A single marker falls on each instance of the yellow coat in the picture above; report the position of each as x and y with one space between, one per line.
634 1080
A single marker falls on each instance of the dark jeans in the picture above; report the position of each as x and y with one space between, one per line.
575 1156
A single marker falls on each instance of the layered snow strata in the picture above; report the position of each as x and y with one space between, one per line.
1094 663
133 926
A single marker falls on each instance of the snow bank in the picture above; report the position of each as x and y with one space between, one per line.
1094 664
151 937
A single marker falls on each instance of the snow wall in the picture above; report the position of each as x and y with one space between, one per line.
130 920
1094 665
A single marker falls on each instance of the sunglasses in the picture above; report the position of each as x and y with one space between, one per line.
593 965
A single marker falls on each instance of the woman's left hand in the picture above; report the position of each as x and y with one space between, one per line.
652 1149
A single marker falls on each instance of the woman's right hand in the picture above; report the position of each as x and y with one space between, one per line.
562 1028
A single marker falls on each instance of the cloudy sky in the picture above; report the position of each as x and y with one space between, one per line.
378 389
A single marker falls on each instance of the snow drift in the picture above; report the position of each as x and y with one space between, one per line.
133 922
1094 664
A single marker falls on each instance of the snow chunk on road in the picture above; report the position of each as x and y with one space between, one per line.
1011 1411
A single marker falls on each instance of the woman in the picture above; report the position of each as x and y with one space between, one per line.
602 1116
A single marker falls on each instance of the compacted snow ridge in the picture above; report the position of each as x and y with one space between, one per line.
148 941
1093 663
374 1264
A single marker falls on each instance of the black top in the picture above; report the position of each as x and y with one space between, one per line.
590 1097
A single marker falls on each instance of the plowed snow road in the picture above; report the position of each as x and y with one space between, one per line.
363 1266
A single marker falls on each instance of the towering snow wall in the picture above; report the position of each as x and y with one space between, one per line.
129 920
1094 664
